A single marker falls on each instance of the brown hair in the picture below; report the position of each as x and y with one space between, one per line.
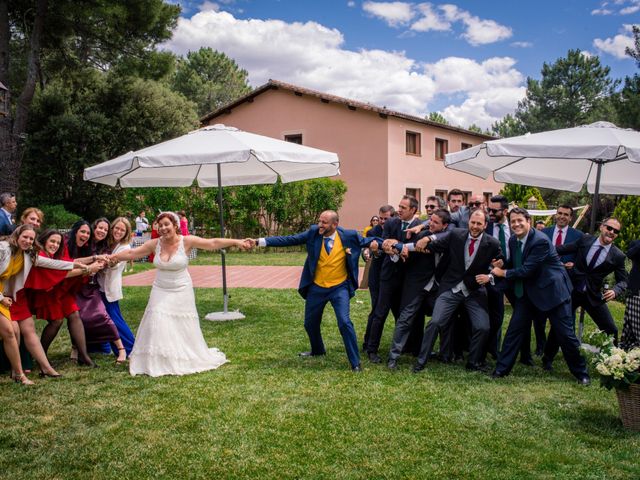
13 241
172 217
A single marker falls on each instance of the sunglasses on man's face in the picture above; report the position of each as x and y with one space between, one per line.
494 210
612 229
431 207
474 204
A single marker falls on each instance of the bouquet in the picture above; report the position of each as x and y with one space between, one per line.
617 368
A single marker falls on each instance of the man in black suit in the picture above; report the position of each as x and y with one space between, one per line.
384 213
470 252
8 206
419 290
391 275
498 228
595 258
540 285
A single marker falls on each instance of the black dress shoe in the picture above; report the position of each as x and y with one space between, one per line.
586 381
310 354
374 357
418 367
356 369
497 374
528 362
539 352
547 366
392 364
476 367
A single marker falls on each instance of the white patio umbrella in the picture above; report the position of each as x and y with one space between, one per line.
602 156
216 156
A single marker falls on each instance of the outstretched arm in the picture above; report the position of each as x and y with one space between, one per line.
144 250
192 241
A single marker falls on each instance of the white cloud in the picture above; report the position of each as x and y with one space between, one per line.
626 7
209 6
478 31
601 11
430 20
351 4
313 56
484 108
394 13
522 44
616 46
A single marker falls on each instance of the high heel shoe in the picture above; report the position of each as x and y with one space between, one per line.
22 379
118 361
49 375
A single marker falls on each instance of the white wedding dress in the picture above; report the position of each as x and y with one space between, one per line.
169 340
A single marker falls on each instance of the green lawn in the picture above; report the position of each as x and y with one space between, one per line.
271 414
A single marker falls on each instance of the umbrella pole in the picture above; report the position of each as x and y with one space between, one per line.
225 297
596 197
225 314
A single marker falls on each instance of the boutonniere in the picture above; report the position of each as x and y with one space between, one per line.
347 250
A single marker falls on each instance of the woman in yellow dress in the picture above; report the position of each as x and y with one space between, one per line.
12 264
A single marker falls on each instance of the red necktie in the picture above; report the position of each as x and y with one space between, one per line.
559 238
472 246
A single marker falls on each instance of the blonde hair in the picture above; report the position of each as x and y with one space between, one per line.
127 236
31 210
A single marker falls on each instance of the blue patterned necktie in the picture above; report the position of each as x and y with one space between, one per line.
328 245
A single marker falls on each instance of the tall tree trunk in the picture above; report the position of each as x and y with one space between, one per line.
13 129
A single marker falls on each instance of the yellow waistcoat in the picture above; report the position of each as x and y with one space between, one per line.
331 269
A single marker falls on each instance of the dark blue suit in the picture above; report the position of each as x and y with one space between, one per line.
547 291
317 297
572 236
6 227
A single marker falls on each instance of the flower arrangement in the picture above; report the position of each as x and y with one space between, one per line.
617 368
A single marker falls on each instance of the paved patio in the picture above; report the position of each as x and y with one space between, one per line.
237 276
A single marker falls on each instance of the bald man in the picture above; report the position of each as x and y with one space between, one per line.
330 275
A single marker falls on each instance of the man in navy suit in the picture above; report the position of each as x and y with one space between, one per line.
9 205
330 274
595 259
540 285
559 234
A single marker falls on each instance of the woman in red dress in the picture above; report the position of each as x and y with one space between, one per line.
53 299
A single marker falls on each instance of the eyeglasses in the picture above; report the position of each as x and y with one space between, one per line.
474 204
611 229
494 210
430 206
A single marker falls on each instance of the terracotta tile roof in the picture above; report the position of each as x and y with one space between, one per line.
328 98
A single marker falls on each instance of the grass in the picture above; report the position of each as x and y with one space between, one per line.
270 414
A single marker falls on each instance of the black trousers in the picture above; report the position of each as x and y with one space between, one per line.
561 322
388 301
600 314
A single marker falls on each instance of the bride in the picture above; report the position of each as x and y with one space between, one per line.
169 340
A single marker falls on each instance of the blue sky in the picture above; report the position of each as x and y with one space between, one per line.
469 60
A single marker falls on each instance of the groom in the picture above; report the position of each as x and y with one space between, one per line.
330 274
